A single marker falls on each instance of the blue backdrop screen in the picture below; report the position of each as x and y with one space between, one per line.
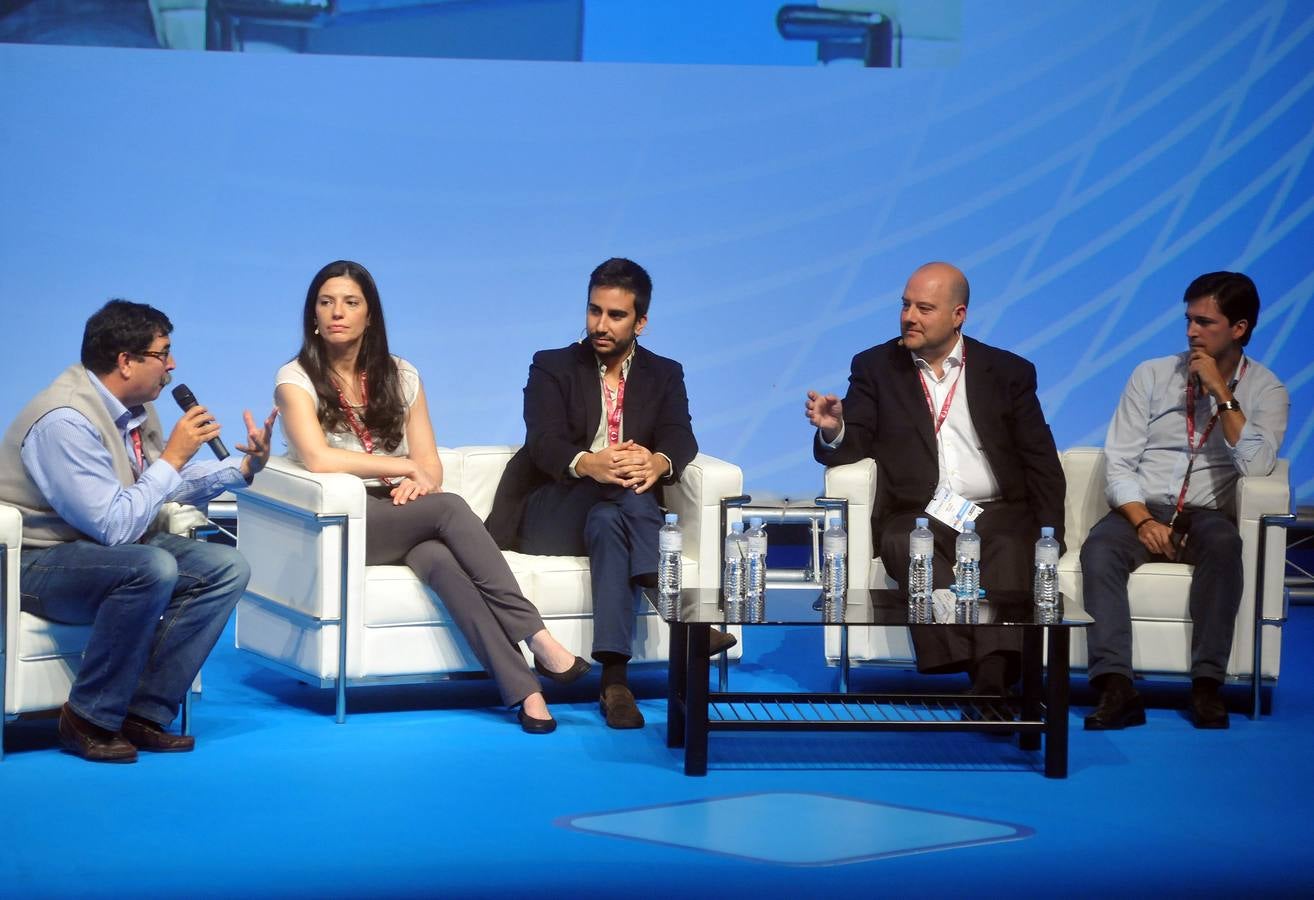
1082 168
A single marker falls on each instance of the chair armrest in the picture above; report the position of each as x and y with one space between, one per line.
1258 495
856 483
290 485
696 499
11 526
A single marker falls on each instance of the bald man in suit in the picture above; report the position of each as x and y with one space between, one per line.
936 408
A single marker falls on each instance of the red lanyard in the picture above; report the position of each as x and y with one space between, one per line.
1191 445
949 398
353 421
614 409
135 434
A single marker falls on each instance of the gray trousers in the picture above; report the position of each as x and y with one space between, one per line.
1110 553
444 543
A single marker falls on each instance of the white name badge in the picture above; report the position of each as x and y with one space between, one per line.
951 509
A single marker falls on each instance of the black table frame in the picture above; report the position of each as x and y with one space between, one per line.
1042 709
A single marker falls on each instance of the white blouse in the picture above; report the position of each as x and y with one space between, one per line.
346 439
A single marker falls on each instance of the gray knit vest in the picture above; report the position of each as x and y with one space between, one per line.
42 526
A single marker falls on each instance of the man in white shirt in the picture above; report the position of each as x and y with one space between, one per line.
938 410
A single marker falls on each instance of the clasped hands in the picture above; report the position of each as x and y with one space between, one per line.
412 487
628 464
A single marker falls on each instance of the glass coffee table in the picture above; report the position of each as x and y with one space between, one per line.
693 710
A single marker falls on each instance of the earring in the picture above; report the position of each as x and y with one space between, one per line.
316 329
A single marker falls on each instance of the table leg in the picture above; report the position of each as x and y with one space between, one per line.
676 685
1056 705
695 705
1032 677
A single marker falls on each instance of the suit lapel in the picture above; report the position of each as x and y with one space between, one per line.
637 405
586 375
908 389
979 388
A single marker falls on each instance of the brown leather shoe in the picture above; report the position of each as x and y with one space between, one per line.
618 707
90 741
146 735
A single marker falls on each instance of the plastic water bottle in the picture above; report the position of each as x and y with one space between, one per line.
670 545
967 575
921 553
755 575
834 562
734 576
1045 584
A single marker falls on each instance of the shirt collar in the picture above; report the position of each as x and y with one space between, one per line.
625 366
953 360
125 418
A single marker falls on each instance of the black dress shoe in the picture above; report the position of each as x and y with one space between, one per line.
720 641
618 707
1207 708
90 741
577 670
146 735
1120 706
530 725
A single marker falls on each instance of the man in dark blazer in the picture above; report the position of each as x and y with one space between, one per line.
606 424
934 408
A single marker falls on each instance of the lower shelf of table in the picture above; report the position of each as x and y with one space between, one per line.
872 712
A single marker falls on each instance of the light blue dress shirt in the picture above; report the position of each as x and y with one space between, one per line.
1146 447
65 458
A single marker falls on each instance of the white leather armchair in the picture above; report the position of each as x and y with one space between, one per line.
1161 623
314 610
39 659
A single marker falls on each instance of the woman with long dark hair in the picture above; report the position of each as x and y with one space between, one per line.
348 405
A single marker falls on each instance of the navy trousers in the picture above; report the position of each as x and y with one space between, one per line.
616 529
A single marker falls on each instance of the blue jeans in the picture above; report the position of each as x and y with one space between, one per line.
156 610
1112 551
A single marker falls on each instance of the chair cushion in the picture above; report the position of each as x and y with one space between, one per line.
40 638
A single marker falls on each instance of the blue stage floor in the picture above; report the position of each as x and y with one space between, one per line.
428 792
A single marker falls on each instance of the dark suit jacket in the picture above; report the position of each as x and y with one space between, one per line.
886 418
563 406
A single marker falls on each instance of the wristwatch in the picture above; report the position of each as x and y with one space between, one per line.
1229 406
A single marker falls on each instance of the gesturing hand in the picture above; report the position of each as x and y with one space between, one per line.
825 411
258 442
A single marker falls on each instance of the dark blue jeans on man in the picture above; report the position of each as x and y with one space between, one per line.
616 529
1112 551
156 610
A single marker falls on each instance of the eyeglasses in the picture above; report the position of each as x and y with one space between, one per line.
162 355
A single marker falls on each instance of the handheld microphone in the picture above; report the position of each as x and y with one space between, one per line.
186 399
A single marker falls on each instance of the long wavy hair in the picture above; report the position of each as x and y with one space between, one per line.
385 414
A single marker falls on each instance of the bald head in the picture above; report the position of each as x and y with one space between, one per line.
942 279
934 307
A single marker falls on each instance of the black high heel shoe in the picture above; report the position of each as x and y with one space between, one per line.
578 670
530 725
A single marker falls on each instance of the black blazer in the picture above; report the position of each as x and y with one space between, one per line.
563 406
886 418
